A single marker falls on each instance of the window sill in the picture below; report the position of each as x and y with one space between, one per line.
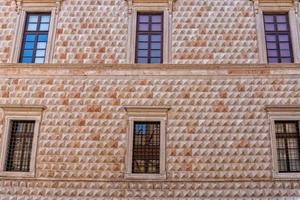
287 176
148 177
16 174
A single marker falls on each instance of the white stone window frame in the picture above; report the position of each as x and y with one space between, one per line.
166 9
281 113
15 112
146 114
23 8
293 12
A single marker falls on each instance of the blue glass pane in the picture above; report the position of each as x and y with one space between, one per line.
143 45
269 19
29 45
142 60
39 60
142 53
155 38
140 129
281 18
283 38
44 27
30 38
143 27
45 18
155 60
42 38
32 27
156 19
27 53
33 18
40 53
155 45
155 53
144 18
143 38
41 45
26 60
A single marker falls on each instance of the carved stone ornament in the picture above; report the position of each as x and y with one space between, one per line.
168 3
37 3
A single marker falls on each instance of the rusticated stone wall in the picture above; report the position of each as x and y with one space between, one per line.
94 32
218 137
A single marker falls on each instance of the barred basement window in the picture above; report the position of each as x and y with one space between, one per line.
287 143
35 38
19 146
146 147
149 38
278 38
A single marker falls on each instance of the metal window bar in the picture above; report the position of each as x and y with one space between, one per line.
149 38
35 38
278 38
287 143
19 146
146 148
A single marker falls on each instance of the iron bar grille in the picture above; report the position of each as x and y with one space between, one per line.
287 142
149 38
146 147
35 38
19 145
278 38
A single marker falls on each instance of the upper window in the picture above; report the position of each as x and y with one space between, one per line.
278 39
35 38
149 38
287 144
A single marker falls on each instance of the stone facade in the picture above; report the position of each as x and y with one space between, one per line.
218 142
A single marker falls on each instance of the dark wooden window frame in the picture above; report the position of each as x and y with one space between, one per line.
285 136
25 140
36 33
149 33
276 33
146 152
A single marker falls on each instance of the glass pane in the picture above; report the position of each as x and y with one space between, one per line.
155 60
273 60
45 19
283 38
156 27
155 45
279 127
29 45
30 38
292 144
142 53
271 45
280 143
282 165
40 53
143 45
142 60
281 19
41 45
44 27
157 19
282 27
270 38
27 53
143 27
33 18
42 38
286 60
143 18
291 127
39 60
155 53
268 18
270 27
281 154
143 38
155 38
272 53
285 53
284 45
26 60
32 27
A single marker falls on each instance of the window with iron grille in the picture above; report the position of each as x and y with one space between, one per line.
287 144
278 38
146 147
35 38
19 146
149 38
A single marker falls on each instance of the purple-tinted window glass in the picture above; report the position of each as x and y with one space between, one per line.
278 39
149 38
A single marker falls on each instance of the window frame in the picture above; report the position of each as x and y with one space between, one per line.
276 8
281 113
12 113
146 114
20 28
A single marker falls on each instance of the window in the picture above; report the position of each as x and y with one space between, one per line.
278 39
35 38
145 157
19 146
149 42
146 143
19 140
287 140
